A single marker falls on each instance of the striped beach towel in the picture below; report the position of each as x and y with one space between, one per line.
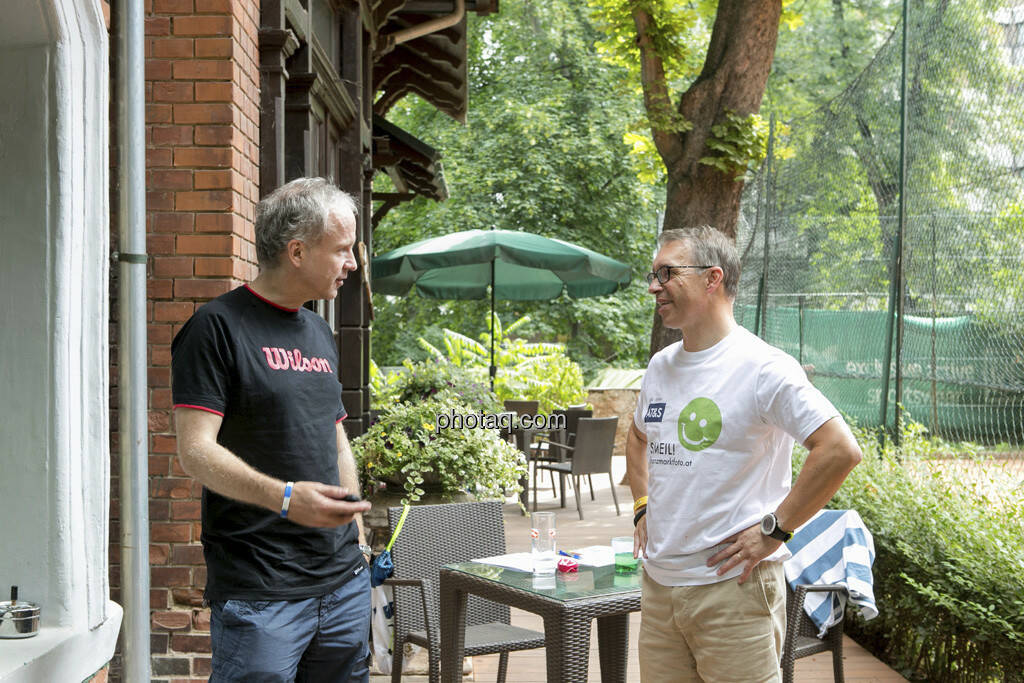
834 547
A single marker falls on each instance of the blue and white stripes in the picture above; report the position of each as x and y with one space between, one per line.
834 547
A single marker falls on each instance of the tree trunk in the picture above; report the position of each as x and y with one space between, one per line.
733 80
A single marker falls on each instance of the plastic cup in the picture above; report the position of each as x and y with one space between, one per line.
542 542
544 582
625 563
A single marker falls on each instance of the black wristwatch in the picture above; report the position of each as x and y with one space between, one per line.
770 527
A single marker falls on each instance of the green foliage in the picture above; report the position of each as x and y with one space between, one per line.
383 387
836 84
532 371
542 151
948 570
423 381
679 34
832 211
406 449
739 143
1001 269
595 331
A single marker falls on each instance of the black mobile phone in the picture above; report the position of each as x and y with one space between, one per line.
351 498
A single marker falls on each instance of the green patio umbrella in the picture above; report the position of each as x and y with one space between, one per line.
508 265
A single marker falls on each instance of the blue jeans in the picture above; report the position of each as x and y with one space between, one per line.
314 640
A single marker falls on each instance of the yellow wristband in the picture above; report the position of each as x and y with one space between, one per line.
639 503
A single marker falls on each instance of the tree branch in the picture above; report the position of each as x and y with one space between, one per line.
657 99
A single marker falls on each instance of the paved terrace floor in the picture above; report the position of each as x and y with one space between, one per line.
599 525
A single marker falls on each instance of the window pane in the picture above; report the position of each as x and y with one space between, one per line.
325 28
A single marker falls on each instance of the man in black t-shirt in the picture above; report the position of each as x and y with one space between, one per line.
258 412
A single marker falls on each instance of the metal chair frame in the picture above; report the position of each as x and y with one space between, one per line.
590 454
565 436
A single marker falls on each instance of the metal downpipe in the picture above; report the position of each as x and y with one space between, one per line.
426 28
132 388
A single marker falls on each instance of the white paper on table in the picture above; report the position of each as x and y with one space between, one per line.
596 555
522 562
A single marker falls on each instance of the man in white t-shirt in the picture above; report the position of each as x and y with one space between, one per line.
709 466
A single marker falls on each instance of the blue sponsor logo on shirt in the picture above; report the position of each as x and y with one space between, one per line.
655 412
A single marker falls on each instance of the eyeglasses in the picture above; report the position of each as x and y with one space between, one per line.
665 273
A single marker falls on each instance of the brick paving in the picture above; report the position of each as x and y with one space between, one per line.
599 525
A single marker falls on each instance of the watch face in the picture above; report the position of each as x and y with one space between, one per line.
768 525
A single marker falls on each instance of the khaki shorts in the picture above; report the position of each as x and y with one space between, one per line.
715 632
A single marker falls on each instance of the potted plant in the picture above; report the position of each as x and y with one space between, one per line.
406 450
411 452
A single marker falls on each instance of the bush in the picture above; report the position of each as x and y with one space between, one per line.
406 450
949 566
428 379
529 371
383 387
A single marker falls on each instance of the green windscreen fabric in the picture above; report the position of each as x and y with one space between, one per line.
961 378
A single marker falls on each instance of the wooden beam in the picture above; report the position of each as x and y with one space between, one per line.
298 19
331 89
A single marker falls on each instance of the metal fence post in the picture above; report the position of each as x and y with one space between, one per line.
896 283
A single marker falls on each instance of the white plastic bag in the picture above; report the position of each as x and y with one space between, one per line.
382 626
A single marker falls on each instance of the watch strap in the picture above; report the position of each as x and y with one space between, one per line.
777 532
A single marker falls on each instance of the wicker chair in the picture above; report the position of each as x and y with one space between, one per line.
591 453
802 635
522 407
432 536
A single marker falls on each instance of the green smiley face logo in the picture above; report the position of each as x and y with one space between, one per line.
700 424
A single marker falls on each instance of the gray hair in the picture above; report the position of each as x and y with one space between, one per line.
297 210
709 247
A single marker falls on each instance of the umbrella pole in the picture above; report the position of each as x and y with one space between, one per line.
494 370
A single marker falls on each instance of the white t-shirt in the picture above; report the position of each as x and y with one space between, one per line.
720 425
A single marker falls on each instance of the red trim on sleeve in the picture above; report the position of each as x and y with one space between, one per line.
209 410
268 301
341 419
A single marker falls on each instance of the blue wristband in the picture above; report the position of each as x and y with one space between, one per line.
287 498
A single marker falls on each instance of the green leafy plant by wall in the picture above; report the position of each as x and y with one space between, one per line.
383 387
949 567
531 371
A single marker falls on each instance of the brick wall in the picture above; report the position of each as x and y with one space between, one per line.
202 179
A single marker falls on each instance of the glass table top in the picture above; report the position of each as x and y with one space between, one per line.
586 582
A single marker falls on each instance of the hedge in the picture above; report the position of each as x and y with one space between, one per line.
949 564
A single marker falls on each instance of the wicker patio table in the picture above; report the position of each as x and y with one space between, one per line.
568 603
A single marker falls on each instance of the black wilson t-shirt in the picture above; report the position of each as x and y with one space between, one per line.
271 373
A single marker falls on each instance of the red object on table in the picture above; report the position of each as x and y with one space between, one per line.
568 564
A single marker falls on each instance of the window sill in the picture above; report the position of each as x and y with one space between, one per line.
60 654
